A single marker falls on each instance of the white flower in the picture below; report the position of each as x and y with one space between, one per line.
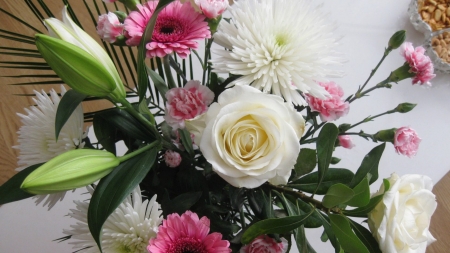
278 46
128 229
36 136
251 137
400 222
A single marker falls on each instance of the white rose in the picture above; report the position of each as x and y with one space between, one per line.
400 222
251 137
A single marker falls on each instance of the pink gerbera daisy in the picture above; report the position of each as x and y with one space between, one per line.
177 28
187 233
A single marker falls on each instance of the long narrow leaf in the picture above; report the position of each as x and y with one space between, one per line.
114 188
20 20
10 191
325 147
69 102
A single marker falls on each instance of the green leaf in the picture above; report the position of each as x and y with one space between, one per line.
369 165
69 102
325 146
365 236
349 241
143 109
362 194
10 191
159 83
308 183
143 81
337 194
105 134
298 207
181 203
306 162
273 226
186 140
363 211
115 187
126 123
330 233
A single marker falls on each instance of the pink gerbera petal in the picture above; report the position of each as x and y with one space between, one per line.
187 233
177 28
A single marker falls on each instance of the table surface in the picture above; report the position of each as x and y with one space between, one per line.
365 27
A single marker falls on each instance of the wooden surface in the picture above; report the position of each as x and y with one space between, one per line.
10 123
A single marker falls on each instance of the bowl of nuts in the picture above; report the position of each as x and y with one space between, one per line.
437 46
429 15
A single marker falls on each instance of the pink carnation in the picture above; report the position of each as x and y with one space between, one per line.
187 103
172 158
331 108
265 244
212 8
419 63
406 141
187 233
109 27
177 28
346 141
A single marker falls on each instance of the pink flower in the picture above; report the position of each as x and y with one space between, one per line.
109 27
186 103
187 233
331 108
172 158
345 141
177 28
406 141
265 244
212 8
419 63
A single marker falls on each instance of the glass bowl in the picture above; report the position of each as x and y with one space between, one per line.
416 18
437 46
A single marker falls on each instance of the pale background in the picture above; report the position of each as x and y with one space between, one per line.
365 27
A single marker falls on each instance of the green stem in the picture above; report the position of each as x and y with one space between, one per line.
139 151
382 84
316 203
371 118
385 54
207 52
362 134
168 72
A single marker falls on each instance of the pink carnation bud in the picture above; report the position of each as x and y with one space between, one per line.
346 141
212 8
419 63
186 103
265 244
109 27
331 108
406 141
172 158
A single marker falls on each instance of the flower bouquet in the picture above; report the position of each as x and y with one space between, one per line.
225 150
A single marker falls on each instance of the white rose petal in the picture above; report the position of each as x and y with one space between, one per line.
401 221
250 137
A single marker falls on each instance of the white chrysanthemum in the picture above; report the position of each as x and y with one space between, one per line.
278 46
37 142
128 229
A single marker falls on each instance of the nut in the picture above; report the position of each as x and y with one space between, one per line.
435 12
441 45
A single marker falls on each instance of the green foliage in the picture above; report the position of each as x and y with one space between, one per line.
69 102
348 240
337 194
369 165
362 194
306 162
325 146
10 191
308 183
115 187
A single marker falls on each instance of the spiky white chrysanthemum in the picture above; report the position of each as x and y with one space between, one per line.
128 229
278 46
36 136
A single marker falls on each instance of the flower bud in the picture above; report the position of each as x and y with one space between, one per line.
121 15
130 4
397 39
70 170
77 68
405 107
385 135
344 127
